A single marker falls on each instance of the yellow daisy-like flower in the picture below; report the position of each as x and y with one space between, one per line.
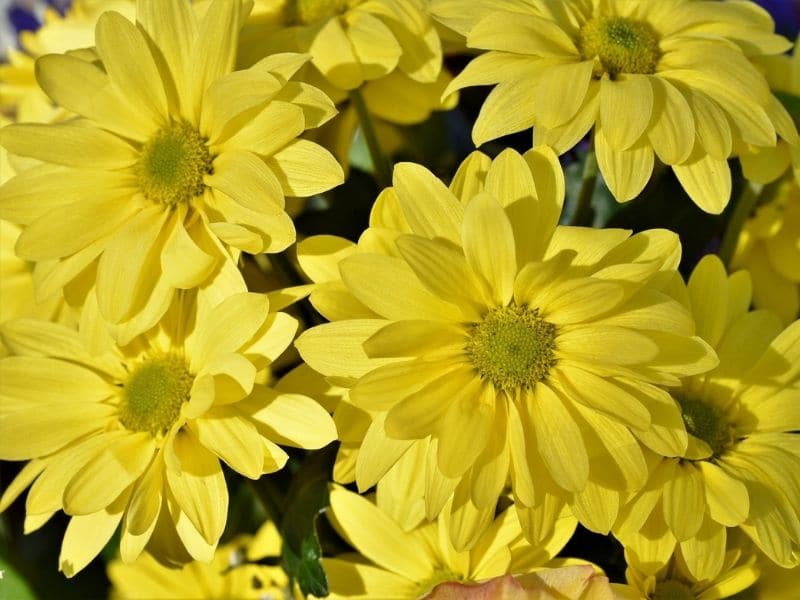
388 50
674 582
136 435
521 348
350 41
764 165
741 466
398 564
672 80
227 576
175 164
19 92
769 247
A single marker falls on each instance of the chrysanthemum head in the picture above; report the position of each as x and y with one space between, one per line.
623 45
513 347
154 393
305 12
173 164
672 589
707 422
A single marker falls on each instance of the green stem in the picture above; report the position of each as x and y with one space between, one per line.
380 164
584 214
744 206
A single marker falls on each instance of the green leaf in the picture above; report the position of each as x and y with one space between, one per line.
12 585
306 499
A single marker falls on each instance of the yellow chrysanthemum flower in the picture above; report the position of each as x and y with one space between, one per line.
764 165
394 563
176 163
350 41
230 574
388 50
19 92
136 435
521 348
673 582
769 247
741 466
672 80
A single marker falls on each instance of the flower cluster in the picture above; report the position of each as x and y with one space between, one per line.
250 273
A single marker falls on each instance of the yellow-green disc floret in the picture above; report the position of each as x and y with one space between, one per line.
706 422
623 45
513 347
173 164
154 393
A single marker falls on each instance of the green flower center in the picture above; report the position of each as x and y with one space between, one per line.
623 45
154 393
513 347
672 589
305 12
173 164
706 422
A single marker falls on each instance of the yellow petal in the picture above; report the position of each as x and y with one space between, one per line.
332 53
378 454
626 172
185 264
305 168
198 487
87 535
173 28
69 144
376 536
626 105
108 473
466 428
429 207
214 51
522 34
684 502
728 502
296 420
488 242
124 277
560 91
269 131
348 578
708 282
704 553
94 98
373 44
232 438
707 180
130 65
558 439
672 130
228 327
420 413
368 276
604 396
507 109
54 428
348 338
443 270
244 177
713 128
